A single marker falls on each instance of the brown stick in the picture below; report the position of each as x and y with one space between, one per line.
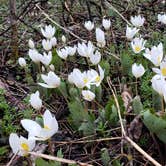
14 33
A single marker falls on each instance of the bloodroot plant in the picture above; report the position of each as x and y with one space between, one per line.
83 86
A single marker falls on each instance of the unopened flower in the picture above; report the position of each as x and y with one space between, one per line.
155 55
106 23
89 25
22 62
63 39
53 41
100 38
37 132
35 100
20 145
51 80
137 45
34 55
137 21
137 70
48 32
47 45
130 32
46 58
88 95
31 44
85 50
162 18
95 58
52 68
63 53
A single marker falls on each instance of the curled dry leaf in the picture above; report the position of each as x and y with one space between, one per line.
135 128
127 98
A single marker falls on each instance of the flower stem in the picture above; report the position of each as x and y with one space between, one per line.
136 88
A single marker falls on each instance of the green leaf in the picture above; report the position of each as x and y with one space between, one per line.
155 124
56 60
77 113
137 105
105 157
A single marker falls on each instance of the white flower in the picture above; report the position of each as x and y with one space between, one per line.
89 25
48 32
35 131
63 53
137 70
52 68
106 23
100 38
97 77
47 45
53 41
20 145
63 39
88 95
85 50
35 100
34 55
159 84
137 45
95 58
162 70
31 44
162 18
71 50
137 21
51 80
155 55
80 79
130 32
22 62
46 58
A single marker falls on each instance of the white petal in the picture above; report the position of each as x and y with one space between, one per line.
14 142
31 126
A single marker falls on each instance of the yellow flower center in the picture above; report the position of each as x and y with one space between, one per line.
163 71
137 48
97 79
88 97
85 80
46 127
25 147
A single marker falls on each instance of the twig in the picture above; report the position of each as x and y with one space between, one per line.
62 160
88 141
65 29
142 151
139 149
9 163
115 10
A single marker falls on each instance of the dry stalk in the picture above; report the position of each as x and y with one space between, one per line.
62 160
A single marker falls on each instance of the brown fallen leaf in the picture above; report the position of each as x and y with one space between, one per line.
135 128
127 98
